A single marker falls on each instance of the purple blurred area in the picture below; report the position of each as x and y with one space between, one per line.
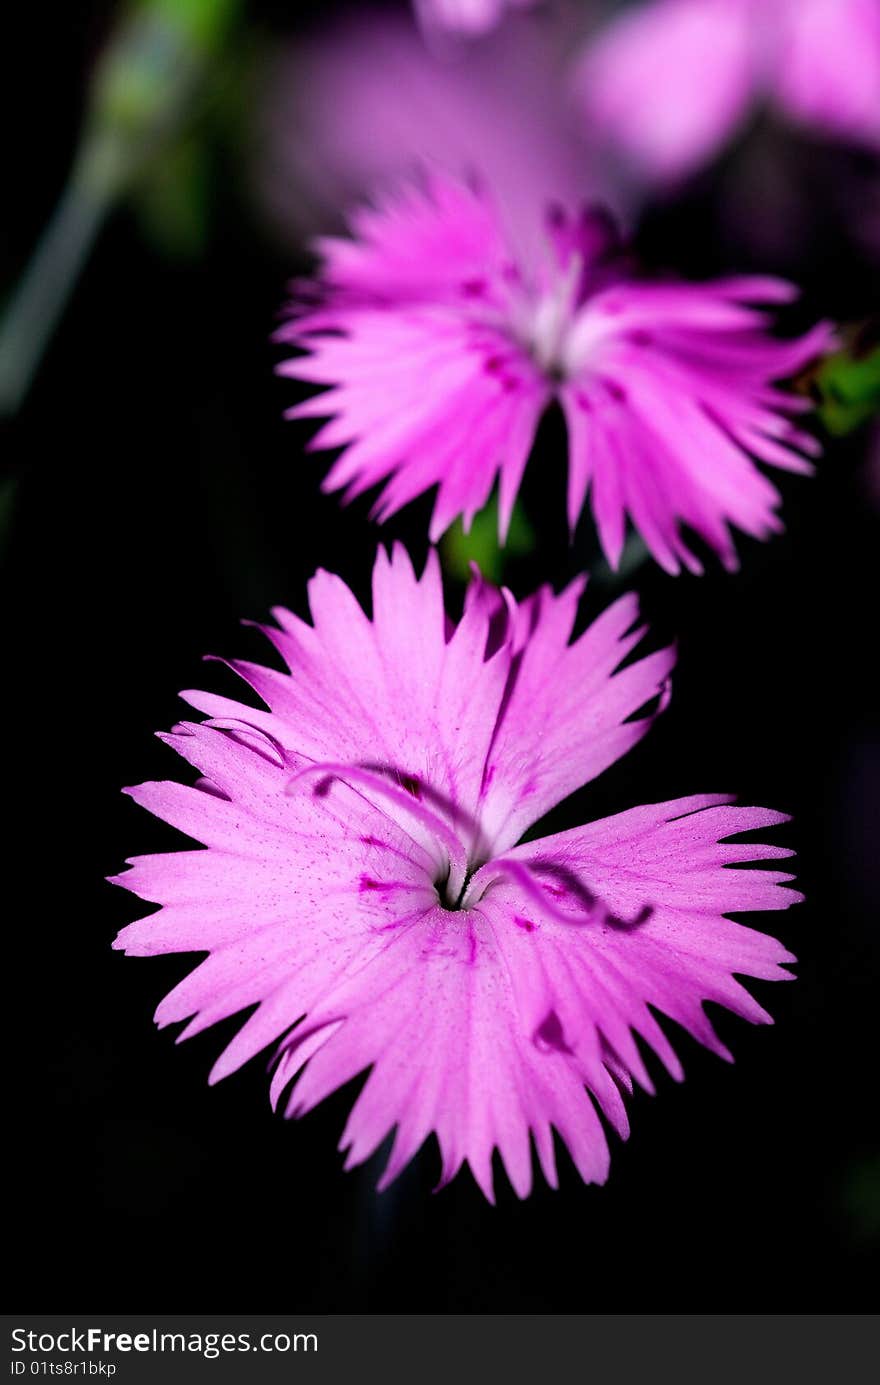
720 106
668 83
355 106
465 17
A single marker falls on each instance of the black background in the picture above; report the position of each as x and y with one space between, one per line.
159 498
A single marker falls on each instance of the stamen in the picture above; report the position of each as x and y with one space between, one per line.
370 779
592 907
553 316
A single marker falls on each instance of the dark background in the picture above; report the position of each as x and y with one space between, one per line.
158 498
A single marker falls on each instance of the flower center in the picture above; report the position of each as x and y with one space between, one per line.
450 895
465 877
550 320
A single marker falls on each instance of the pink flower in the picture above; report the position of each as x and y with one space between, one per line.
670 81
333 133
444 349
466 16
828 67
363 886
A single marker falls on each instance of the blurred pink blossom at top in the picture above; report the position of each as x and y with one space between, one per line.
366 102
466 16
671 81
828 71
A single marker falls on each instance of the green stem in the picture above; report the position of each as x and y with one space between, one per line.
39 300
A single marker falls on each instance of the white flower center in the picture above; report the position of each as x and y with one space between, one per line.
558 330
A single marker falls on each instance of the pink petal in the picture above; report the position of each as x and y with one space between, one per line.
828 73
493 1006
670 81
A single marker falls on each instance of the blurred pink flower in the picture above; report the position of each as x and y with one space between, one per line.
466 16
670 81
354 109
827 72
362 884
443 350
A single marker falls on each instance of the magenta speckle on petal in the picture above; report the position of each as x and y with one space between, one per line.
616 391
474 288
549 1036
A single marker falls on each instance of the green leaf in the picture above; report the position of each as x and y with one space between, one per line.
481 546
848 388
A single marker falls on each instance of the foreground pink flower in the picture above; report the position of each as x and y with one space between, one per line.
670 81
362 882
444 350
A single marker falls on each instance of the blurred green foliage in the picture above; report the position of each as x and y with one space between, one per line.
144 136
173 200
147 79
847 386
205 22
481 545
